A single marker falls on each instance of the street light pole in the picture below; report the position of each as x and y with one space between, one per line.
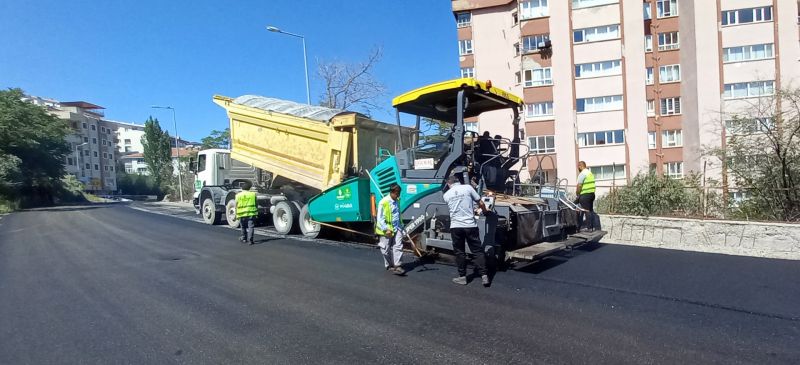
177 147
305 57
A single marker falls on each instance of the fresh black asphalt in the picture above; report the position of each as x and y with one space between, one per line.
107 284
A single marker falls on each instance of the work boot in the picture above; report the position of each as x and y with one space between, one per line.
485 280
399 271
242 239
252 242
461 280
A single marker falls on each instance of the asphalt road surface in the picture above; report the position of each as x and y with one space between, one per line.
107 284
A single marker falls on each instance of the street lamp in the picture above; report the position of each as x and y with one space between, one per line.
305 57
177 147
77 154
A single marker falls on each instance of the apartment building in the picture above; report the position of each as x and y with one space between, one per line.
134 162
629 85
93 149
128 136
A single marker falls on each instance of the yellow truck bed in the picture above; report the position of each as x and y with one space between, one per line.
314 146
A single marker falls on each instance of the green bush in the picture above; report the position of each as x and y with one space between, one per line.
651 194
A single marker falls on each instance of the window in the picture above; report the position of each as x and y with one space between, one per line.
532 43
648 80
749 15
606 68
105 142
463 19
671 106
85 139
102 129
69 161
673 138
608 172
94 153
602 33
86 152
668 41
651 140
748 53
651 108
542 144
648 43
105 168
88 167
514 18
465 47
94 128
669 73
468 72
105 155
538 77
516 49
748 89
111 168
749 126
601 138
539 109
97 167
533 9
599 104
648 12
674 170
127 141
666 8
141 170
471 127
128 169
576 4
94 140
517 77
84 125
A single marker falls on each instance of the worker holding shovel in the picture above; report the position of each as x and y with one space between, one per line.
389 229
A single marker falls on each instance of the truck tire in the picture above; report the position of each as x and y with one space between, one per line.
284 217
209 210
230 214
309 228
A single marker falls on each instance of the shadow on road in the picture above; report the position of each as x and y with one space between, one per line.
70 208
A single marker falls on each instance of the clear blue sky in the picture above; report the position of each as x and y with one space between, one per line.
128 55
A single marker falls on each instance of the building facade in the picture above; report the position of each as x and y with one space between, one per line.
92 142
629 85
134 162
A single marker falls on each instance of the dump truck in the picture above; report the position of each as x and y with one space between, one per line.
290 152
338 187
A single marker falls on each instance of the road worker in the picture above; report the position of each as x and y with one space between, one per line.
389 229
247 211
585 193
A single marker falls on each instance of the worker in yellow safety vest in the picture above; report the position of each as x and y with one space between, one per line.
585 193
247 211
389 228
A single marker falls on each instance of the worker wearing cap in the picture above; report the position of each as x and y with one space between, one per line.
247 211
389 229
585 193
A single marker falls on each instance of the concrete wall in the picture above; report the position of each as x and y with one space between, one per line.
771 240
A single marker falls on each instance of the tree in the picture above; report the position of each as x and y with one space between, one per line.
157 151
187 177
352 85
217 139
761 156
32 150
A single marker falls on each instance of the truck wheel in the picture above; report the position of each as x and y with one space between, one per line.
230 214
309 228
284 216
209 211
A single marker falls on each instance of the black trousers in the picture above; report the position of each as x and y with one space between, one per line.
248 226
587 202
470 236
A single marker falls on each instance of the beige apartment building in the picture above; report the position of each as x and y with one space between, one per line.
628 85
92 158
